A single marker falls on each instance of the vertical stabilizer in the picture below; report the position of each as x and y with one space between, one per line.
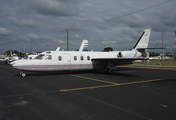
84 46
58 48
143 40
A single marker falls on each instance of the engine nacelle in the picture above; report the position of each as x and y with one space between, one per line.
120 54
129 54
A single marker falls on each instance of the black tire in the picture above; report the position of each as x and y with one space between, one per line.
23 74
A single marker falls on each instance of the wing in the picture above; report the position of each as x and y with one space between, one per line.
117 61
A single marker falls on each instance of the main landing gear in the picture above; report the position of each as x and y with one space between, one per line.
22 74
109 70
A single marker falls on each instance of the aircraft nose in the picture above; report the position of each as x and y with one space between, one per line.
12 63
16 65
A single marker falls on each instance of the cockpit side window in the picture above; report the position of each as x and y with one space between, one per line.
40 57
48 57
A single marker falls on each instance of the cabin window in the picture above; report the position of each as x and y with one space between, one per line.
75 58
88 57
59 58
82 58
30 58
48 57
40 57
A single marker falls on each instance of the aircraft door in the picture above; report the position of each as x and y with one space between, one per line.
66 61
82 61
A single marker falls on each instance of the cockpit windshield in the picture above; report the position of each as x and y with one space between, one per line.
26 57
40 57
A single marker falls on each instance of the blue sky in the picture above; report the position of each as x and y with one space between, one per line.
105 23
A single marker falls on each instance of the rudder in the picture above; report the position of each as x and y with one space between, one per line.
143 40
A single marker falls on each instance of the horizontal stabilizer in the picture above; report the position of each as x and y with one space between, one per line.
117 59
150 48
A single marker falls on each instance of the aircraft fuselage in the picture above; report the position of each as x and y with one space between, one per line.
73 60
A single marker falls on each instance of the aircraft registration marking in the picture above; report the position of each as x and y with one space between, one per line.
103 86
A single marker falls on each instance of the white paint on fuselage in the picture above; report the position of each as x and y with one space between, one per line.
81 60
71 60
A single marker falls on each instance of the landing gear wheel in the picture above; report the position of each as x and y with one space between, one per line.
108 70
22 74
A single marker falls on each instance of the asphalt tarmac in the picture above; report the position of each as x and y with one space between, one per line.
125 94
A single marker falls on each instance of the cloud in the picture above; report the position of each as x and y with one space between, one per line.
60 41
55 7
126 40
23 22
33 37
103 26
133 21
106 38
77 36
6 32
164 20
108 42
98 21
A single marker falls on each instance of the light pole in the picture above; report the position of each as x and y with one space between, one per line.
66 29
162 46
30 47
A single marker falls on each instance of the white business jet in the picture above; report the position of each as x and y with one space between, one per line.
84 60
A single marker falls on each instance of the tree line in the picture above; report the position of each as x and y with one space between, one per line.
106 49
20 54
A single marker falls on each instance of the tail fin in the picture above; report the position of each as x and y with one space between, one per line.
58 48
143 40
84 46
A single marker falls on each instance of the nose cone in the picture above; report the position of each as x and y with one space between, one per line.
14 65
13 62
23 65
18 61
27 65
17 65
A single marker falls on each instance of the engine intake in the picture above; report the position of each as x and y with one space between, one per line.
119 54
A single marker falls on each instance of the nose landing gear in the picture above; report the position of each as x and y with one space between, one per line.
22 74
108 70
